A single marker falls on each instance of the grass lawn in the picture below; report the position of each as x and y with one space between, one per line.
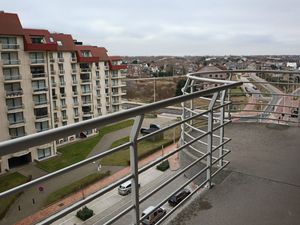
145 148
74 187
78 151
7 182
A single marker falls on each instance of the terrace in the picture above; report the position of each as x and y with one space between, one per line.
259 186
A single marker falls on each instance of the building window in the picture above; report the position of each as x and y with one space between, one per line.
11 73
14 103
40 99
38 85
41 112
14 118
85 88
17 132
60 44
41 126
44 152
76 113
37 40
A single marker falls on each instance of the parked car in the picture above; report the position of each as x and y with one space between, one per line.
152 128
295 113
175 199
125 188
154 216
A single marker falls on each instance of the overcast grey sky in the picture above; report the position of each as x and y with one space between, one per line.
170 27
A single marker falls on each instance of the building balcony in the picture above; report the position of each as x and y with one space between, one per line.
85 103
9 47
63 106
42 117
14 93
73 59
12 62
86 92
63 95
13 108
53 84
74 82
42 129
52 60
75 93
40 89
40 103
62 83
74 71
53 72
16 123
86 115
38 75
116 103
76 116
64 118
14 136
37 61
83 81
12 78
61 72
28 46
56 119
60 60
85 70
76 104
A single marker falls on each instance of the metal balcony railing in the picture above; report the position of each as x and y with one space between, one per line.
217 104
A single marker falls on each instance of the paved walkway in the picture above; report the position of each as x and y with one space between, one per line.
92 188
32 200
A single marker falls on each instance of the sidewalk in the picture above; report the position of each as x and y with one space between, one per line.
44 213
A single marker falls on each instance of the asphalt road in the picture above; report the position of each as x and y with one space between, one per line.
125 202
110 204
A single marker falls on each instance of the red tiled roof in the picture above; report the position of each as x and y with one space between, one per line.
115 58
47 46
37 32
10 24
98 52
101 53
66 40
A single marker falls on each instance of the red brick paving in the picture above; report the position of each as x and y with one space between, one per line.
54 208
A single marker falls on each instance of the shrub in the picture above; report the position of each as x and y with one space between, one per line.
163 166
84 213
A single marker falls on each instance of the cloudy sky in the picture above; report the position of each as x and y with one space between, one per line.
170 27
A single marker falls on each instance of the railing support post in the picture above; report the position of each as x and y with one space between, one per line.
210 138
184 113
222 115
134 168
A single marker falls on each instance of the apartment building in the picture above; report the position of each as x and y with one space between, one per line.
48 80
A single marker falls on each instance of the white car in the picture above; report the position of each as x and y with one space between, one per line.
154 216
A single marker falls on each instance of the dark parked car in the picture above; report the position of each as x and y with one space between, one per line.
175 199
294 113
152 128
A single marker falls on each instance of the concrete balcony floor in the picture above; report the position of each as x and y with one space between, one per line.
262 182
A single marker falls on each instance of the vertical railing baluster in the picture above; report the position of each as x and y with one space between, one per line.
210 138
134 168
222 115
